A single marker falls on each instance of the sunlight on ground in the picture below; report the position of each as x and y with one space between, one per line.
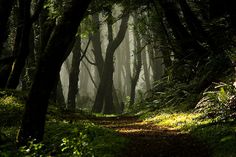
178 121
131 130
9 100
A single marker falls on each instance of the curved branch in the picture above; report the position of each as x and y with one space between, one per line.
85 50
90 75
90 62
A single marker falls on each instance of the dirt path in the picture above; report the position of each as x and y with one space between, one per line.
148 140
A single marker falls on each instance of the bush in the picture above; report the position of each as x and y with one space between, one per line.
220 103
11 107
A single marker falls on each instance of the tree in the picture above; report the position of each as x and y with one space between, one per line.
196 46
5 9
104 92
137 63
74 75
47 71
22 47
146 71
126 69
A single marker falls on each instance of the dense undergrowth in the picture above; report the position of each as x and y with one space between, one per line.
65 135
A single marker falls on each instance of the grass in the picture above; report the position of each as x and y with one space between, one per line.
178 120
220 137
63 137
75 137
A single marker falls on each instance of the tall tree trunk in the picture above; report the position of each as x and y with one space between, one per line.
193 22
47 71
96 41
5 10
163 43
23 45
46 27
84 81
30 65
107 73
23 49
127 72
60 99
74 75
5 69
153 62
146 72
108 95
137 67
184 39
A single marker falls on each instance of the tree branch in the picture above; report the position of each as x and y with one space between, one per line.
120 35
85 50
90 75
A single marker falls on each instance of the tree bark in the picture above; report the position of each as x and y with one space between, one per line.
146 71
46 27
74 75
5 69
47 71
23 42
184 39
60 99
127 73
107 73
5 10
108 95
137 68
29 69
23 49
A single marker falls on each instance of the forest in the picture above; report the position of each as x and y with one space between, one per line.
117 78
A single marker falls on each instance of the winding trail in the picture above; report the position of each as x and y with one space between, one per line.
149 140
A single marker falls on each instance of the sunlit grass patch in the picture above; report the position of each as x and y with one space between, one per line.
179 121
220 137
11 109
10 100
104 115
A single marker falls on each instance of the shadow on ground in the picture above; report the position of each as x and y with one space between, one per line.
149 140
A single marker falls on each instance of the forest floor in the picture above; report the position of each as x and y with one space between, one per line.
149 140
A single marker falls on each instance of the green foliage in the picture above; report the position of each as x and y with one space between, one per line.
81 139
70 137
219 103
220 137
168 93
62 138
32 149
11 107
55 8
77 146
